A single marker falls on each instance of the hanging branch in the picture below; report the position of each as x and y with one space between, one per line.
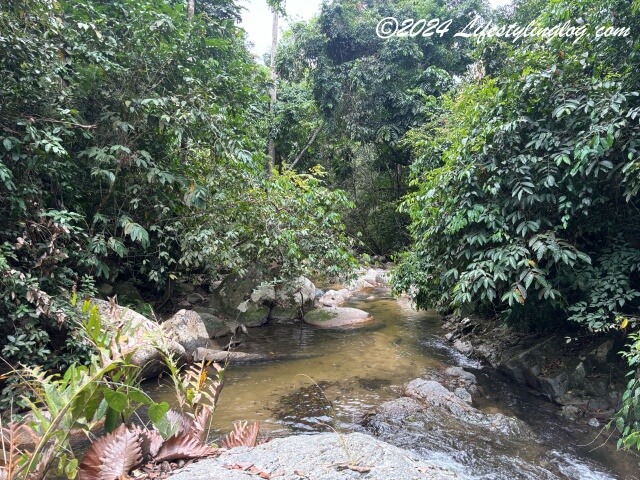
309 143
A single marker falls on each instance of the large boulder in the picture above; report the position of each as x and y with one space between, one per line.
327 456
215 325
531 367
370 278
293 300
252 300
236 298
441 402
187 328
336 317
334 298
140 335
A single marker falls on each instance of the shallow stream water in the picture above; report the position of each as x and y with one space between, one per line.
331 378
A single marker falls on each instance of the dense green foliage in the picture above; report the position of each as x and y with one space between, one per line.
362 93
527 182
627 420
132 147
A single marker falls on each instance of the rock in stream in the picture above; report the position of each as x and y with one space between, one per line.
326 456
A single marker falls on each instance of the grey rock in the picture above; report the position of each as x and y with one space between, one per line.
252 300
216 326
466 377
463 347
553 386
319 457
449 337
139 335
463 395
336 317
428 391
187 328
526 367
369 278
603 352
597 404
442 404
334 298
263 294
232 299
195 299
614 399
570 412
578 376
594 422
301 293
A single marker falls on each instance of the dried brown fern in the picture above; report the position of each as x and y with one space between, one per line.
243 435
15 440
199 424
112 456
150 442
182 447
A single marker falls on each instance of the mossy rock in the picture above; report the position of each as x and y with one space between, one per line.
232 299
318 316
336 317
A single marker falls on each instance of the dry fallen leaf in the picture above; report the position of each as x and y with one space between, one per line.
354 468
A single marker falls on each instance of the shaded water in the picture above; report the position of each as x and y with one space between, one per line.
334 377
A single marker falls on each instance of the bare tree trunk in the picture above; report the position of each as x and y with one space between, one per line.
191 9
309 143
274 95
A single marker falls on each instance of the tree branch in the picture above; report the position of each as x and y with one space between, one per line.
309 143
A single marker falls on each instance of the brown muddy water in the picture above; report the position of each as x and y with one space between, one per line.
332 378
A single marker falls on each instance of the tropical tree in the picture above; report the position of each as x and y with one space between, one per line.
127 130
527 182
368 92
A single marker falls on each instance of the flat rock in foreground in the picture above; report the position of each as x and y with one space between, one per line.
327 456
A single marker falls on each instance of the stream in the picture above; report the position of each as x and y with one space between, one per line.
333 377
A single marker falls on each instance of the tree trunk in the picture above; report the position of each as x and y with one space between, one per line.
274 78
191 9
309 143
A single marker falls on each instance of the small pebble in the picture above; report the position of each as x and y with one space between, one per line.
593 422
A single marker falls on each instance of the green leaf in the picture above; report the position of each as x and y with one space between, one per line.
157 411
117 400
112 420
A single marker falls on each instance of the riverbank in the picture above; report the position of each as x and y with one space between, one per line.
581 373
